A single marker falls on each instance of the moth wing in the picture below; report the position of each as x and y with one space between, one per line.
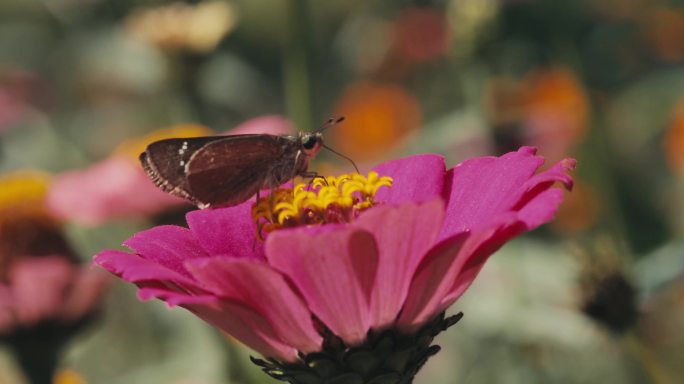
229 171
165 162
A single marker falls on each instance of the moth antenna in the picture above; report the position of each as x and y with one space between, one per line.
331 121
343 156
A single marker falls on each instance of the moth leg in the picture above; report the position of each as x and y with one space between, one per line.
258 199
271 198
313 176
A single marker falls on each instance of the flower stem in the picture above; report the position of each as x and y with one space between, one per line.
189 67
39 363
296 76
646 358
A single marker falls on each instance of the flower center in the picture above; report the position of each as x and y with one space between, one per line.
26 226
23 193
325 200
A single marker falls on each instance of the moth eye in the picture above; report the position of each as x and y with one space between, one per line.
309 142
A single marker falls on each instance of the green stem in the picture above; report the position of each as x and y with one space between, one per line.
39 363
646 358
596 151
296 76
189 65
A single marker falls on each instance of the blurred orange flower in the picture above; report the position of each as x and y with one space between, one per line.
68 376
421 34
579 211
557 101
378 117
674 139
548 109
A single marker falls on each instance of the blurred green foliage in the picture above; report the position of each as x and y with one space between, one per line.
599 81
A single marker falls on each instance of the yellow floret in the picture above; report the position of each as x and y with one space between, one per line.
308 204
24 190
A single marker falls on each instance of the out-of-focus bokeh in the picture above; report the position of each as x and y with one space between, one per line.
597 296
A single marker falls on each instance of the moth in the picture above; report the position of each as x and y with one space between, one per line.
222 171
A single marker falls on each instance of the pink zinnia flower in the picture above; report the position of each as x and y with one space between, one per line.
118 187
41 281
46 296
384 263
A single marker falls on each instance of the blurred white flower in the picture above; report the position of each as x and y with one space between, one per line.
197 28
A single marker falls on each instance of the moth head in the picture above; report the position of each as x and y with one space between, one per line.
311 143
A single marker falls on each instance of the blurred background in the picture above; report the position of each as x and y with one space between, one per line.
596 296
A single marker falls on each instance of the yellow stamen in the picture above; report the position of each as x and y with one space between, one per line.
23 192
324 200
135 146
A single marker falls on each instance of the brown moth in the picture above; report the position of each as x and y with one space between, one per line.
222 171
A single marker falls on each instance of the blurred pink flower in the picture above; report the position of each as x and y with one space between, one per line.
48 289
118 187
46 297
114 187
269 124
398 265
20 90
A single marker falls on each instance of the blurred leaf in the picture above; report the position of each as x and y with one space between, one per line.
655 271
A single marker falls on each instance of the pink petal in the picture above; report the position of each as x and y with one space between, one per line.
430 284
158 282
403 234
451 267
245 325
474 254
227 231
416 178
479 190
269 124
263 289
334 270
442 271
172 297
114 187
536 212
541 208
143 272
168 245
559 172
